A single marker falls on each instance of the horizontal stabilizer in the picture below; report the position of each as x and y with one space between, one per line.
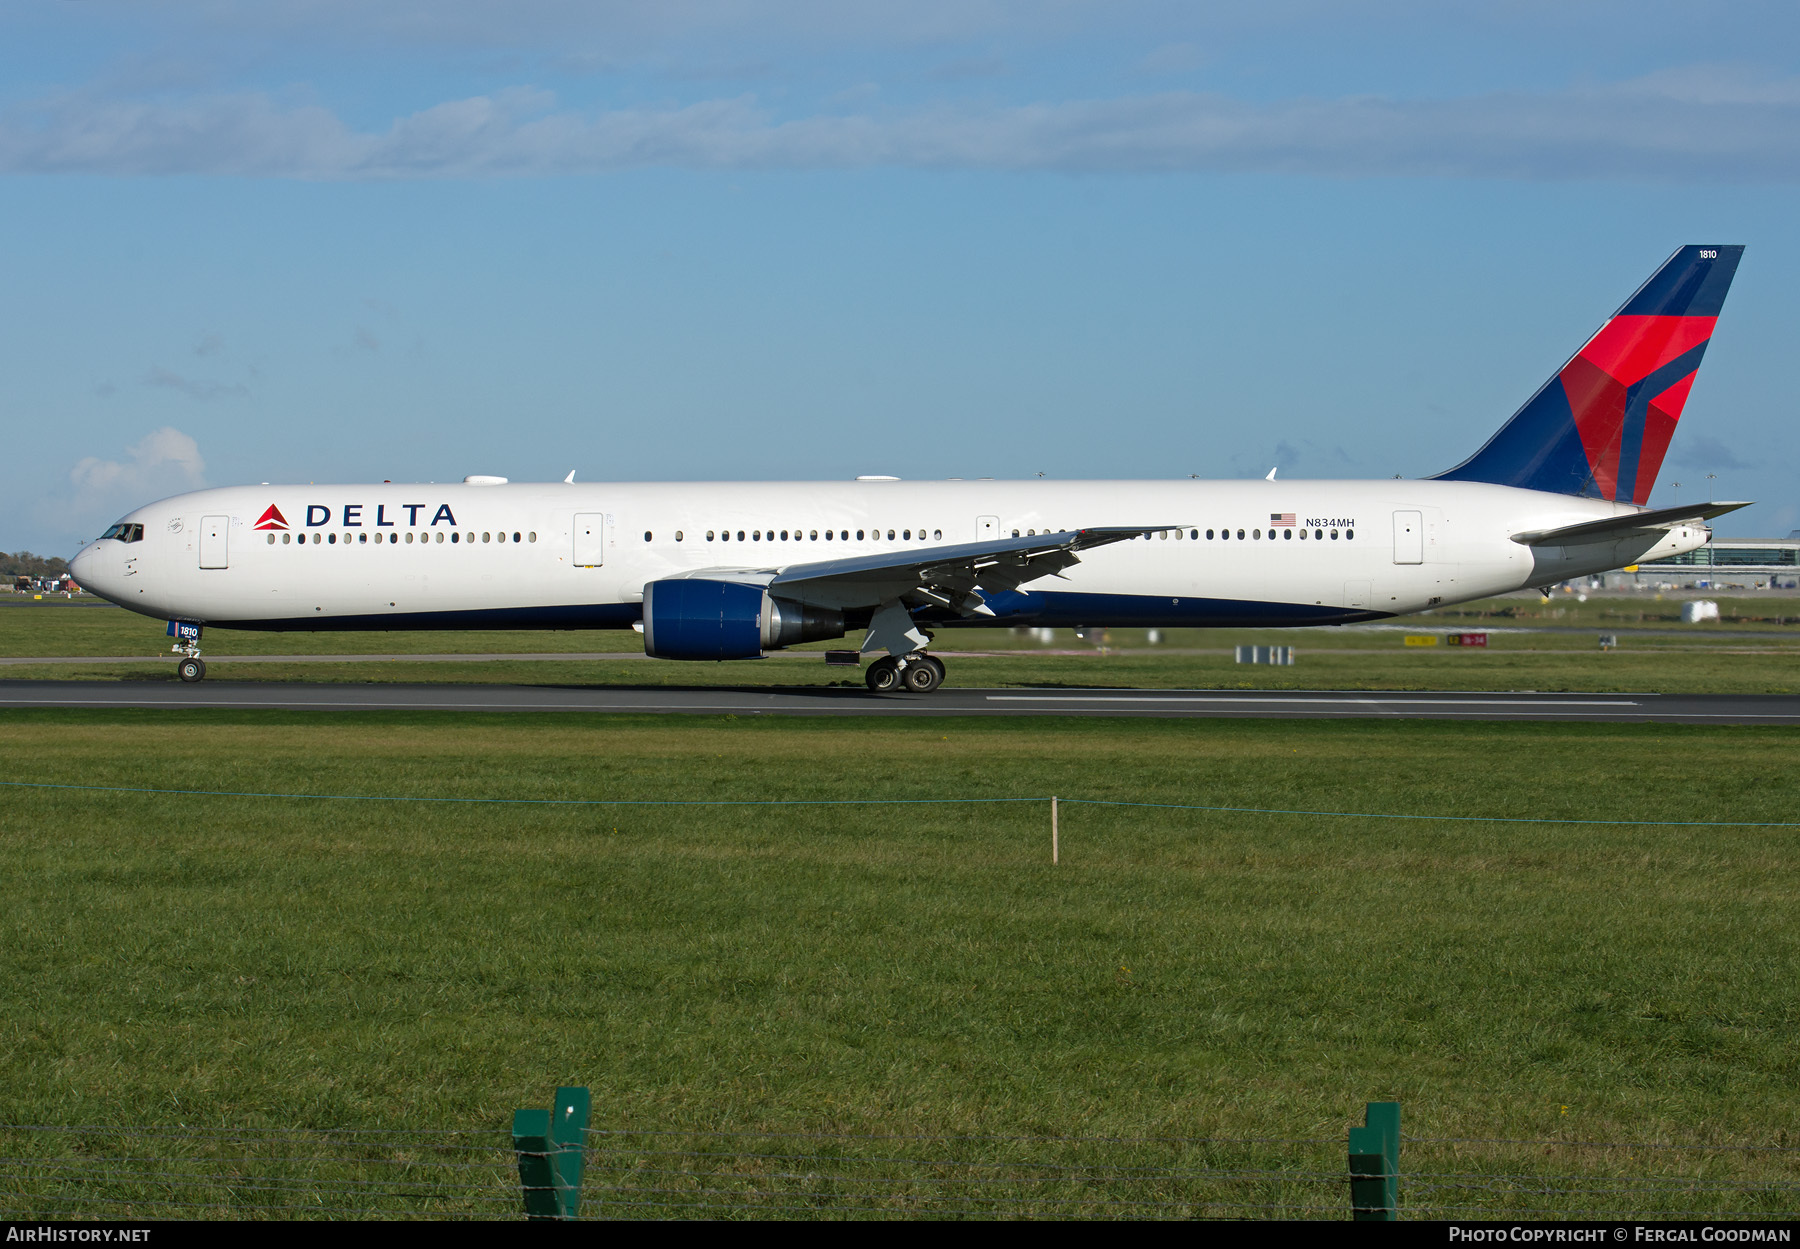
1615 527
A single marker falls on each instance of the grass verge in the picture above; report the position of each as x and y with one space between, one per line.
235 962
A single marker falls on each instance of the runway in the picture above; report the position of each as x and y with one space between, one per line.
813 701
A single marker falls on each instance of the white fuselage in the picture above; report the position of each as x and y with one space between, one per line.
578 555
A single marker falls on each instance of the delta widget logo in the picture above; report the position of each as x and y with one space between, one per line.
271 519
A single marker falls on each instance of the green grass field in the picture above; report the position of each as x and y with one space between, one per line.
1532 645
284 963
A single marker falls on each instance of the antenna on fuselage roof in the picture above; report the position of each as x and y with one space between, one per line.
1271 476
570 479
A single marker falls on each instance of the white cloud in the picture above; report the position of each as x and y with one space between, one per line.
1697 125
482 25
164 462
195 387
1705 451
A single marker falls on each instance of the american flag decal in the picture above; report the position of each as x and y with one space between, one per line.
1281 520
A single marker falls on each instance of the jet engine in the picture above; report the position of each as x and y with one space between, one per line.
689 618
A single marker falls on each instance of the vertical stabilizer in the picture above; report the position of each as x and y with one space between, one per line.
1601 425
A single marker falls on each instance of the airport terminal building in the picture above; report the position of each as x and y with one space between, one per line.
1725 563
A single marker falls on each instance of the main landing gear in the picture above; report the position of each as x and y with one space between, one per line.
917 673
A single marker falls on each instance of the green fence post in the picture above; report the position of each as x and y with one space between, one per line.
568 1132
1375 1164
531 1142
549 1145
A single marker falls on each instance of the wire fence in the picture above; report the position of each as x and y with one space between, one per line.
174 1172
749 1175
1484 1178
629 1172
1043 801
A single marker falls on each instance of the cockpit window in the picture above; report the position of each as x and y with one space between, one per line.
125 533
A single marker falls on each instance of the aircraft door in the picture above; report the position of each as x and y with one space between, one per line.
590 539
987 528
1409 537
214 539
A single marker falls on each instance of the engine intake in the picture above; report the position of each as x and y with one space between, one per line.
689 618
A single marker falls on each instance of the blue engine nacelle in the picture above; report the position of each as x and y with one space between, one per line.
687 618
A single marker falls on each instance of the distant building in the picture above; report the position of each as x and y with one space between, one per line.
1725 563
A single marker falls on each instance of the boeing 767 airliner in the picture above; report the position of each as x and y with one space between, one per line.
720 570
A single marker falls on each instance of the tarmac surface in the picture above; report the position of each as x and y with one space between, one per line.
950 701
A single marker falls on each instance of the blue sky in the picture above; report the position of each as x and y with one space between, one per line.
310 241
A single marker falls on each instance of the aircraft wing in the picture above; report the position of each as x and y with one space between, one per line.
1615 527
947 576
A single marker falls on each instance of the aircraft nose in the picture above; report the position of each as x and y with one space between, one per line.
80 566
93 571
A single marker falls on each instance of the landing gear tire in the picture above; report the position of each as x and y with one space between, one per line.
883 676
923 675
190 670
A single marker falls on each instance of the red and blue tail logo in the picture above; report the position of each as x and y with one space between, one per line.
1601 426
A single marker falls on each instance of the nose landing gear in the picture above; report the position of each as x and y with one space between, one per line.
918 673
186 633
